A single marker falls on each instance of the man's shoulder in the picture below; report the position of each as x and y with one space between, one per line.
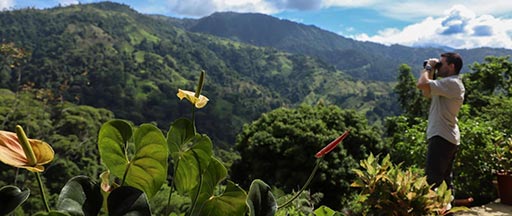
451 80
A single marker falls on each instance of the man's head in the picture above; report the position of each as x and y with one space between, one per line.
451 64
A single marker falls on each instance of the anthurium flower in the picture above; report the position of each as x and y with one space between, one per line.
331 145
199 102
12 152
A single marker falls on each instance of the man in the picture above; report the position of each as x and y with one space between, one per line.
447 95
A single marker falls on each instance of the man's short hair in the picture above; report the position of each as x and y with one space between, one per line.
453 58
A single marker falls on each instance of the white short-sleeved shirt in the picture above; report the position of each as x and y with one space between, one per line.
447 97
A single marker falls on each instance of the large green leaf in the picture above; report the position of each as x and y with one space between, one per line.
213 175
260 199
231 202
80 196
112 140
181 131
128 200
11 197
191 163
147 168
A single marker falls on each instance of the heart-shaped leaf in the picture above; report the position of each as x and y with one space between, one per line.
231 202
80 196
112 140
128 200
260 199
11 197
213 175
181 131
192 163
147 168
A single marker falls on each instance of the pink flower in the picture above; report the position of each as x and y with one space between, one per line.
12 152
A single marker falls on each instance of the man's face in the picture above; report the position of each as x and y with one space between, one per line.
446 69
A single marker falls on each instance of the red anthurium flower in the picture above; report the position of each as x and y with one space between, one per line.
331 145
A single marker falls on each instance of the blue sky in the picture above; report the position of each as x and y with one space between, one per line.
452 23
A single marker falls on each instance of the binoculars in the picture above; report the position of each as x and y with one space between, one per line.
436 67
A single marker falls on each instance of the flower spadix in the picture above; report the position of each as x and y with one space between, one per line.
21 152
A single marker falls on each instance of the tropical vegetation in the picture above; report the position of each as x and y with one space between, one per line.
113 106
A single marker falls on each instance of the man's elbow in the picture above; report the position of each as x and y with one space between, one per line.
425 88
420 86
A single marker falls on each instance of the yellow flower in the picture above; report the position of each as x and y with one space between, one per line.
12 153
199 102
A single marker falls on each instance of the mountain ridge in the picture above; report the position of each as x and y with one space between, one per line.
133 64
362 60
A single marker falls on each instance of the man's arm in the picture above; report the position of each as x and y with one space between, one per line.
423 83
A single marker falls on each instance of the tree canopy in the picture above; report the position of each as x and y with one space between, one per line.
282 143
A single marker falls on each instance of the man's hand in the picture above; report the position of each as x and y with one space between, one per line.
430 67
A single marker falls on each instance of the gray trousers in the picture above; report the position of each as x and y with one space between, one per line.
440 158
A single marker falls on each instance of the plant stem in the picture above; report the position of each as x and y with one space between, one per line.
126 173
41 188
194 202
303 187
194 118
167 210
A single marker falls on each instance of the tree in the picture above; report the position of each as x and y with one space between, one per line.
491 78
413 104
279 148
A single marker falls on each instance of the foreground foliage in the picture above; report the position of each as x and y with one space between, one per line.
388 190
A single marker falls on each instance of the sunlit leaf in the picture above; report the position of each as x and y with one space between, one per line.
112 140
324 211
191 163
230 202
147 168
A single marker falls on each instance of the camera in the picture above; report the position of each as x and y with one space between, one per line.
436 67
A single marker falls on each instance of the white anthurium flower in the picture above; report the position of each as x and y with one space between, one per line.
199 102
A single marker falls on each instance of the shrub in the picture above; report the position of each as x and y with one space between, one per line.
388 190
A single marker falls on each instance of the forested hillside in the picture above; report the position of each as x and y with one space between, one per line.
108 55
66 72
362 60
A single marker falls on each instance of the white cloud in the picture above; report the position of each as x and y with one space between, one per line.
68 2
198 8
459 27
350 3
418 9
6 4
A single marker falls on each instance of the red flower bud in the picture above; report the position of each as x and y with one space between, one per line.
331 145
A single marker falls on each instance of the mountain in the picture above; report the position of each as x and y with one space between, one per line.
362 60
107 55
